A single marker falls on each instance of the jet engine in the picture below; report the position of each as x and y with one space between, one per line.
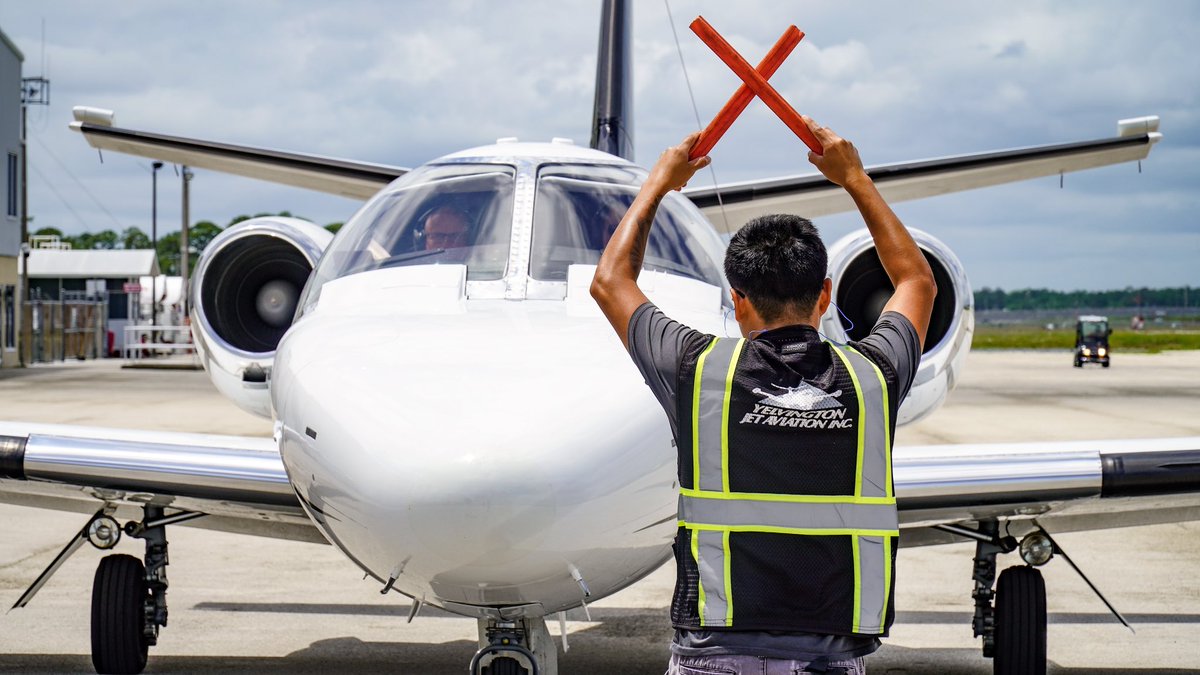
244 294
861 288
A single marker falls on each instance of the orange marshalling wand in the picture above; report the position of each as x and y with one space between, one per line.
744 95
755 82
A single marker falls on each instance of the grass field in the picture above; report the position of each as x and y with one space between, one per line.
1028 337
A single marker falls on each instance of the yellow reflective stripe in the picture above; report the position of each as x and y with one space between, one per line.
887 579
795 499
770 529
737 353
857 584
860 423
696 559
728 580
696 413
887 430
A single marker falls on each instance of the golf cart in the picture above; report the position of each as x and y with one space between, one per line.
1091 340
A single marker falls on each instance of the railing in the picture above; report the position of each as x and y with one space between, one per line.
144 341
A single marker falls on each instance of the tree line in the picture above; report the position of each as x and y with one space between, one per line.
200 234
1044 298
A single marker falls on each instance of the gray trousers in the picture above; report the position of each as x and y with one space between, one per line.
758 665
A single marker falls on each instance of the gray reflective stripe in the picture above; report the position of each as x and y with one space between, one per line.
757 514
711 562
874 418
711 377
873 556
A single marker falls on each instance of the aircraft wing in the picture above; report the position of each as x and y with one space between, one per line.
1065 486
346 178
239 482
812 196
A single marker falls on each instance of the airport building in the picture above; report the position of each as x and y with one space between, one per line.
93 295
10 220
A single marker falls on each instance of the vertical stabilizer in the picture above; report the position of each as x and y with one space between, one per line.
612 117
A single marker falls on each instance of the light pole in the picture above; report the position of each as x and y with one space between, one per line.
34 91
186 175
154 242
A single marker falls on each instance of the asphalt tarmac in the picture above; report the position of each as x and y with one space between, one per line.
248 605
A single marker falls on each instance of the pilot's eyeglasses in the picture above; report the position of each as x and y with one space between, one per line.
444 239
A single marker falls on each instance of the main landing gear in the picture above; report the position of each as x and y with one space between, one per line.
1013 629
129 595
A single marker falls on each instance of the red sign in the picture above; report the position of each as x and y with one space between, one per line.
132 287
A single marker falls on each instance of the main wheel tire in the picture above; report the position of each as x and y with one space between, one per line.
505 666
1020 622
118 616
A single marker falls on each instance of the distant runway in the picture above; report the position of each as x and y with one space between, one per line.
249 605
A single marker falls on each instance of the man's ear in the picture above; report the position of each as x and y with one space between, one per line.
740 306
825 298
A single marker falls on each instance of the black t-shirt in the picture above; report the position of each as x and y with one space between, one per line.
657 344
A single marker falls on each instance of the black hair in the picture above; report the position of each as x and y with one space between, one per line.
778 262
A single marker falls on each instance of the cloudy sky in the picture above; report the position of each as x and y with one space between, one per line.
404 82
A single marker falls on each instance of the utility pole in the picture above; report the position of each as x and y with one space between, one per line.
34 91
186 175
154 242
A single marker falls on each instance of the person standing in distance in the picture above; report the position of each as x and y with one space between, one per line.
787 518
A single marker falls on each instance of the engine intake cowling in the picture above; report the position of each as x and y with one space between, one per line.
861 288
244 294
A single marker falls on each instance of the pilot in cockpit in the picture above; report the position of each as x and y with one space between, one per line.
446 228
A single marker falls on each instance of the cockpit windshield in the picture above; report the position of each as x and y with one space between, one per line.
577 209
451 213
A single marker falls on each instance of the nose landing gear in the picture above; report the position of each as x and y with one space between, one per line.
517 647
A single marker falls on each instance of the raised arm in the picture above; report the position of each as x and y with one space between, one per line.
902 260
615 285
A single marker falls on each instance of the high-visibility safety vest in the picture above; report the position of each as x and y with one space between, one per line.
787 516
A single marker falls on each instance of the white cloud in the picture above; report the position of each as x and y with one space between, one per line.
401 83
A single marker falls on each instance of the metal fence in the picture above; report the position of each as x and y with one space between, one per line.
71 328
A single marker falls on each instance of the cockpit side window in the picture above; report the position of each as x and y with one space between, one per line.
577 210
441 214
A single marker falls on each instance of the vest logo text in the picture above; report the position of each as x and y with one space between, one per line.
803 407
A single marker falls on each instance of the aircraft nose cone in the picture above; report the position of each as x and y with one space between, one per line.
477 460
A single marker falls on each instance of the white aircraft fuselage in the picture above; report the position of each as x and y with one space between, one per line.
485 444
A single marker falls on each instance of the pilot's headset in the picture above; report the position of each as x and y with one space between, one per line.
417 229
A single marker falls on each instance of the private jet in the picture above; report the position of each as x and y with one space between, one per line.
456 417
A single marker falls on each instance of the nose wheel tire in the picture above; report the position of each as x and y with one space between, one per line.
505 666
1020 622
119 596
